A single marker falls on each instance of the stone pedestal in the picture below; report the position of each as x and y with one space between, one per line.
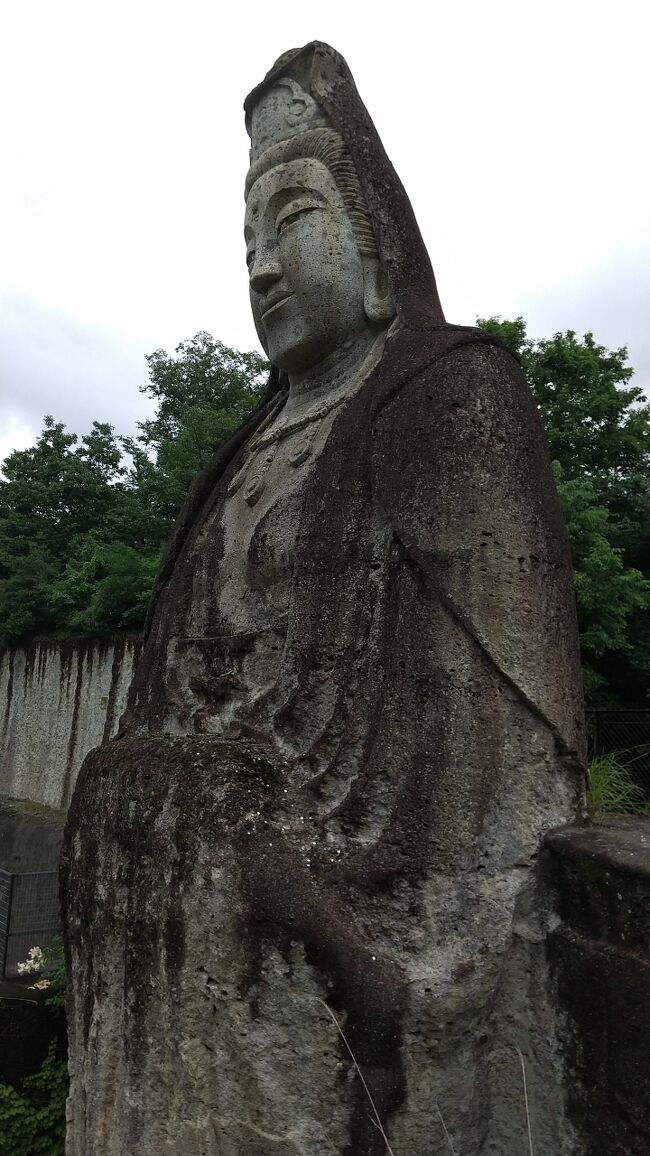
600 952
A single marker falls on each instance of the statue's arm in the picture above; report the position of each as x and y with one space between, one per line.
460 466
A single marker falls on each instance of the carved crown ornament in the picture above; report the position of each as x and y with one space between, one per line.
285 111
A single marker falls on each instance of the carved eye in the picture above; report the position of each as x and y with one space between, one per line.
291 218
293 211
250 257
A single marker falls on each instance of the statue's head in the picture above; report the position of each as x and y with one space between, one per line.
316 277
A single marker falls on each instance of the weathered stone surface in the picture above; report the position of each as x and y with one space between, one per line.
600 953
357 711
213 915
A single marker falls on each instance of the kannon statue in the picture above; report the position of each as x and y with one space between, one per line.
357 711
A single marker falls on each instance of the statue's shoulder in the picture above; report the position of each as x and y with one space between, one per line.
456 401
444 366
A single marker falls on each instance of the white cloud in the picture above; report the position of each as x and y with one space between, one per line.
518 130
15 436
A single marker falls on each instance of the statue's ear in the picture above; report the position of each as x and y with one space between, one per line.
377 297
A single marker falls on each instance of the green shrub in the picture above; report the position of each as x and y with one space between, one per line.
32 1115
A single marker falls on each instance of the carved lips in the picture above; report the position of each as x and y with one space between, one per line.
273 300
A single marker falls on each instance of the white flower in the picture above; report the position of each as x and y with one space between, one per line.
35 962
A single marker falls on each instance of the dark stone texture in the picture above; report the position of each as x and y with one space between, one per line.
600 954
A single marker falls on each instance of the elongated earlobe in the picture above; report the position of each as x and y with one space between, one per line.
377 297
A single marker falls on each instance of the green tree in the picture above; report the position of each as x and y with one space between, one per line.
104 588
203 375
83 521
598 429
204 391
60 487
608 593
27 581
53 495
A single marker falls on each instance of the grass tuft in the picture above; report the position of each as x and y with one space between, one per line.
611 790
528 1125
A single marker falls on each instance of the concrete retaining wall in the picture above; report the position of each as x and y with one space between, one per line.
58 700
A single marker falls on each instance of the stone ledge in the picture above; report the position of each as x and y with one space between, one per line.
598 878
623 844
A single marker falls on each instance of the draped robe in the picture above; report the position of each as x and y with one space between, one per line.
350 813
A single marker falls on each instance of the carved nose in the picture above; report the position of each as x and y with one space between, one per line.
266 269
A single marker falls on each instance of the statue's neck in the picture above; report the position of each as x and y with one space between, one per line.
330 374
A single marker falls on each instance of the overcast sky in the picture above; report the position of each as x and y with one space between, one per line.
518 128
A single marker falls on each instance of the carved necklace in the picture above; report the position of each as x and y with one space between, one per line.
285 431
255 475
255 478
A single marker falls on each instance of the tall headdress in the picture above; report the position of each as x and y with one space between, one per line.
309 100
286 124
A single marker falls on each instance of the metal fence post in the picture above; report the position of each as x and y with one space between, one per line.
8 926
595 718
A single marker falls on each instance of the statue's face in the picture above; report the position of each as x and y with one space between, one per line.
305 269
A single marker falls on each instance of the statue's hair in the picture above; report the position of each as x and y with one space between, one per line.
324 145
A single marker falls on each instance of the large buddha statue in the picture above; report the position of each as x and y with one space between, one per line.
357 711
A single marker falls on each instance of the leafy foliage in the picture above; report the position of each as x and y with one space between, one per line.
204 376
32 1117
598 429
607 591
56 974
66 508
83 521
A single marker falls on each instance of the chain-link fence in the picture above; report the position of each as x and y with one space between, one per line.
29 916
626 733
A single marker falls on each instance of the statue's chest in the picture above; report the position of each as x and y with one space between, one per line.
226 661
260 523
252 533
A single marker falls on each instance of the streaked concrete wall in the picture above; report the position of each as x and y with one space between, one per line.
58 700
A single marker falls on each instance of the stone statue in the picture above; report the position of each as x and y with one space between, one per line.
357 710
